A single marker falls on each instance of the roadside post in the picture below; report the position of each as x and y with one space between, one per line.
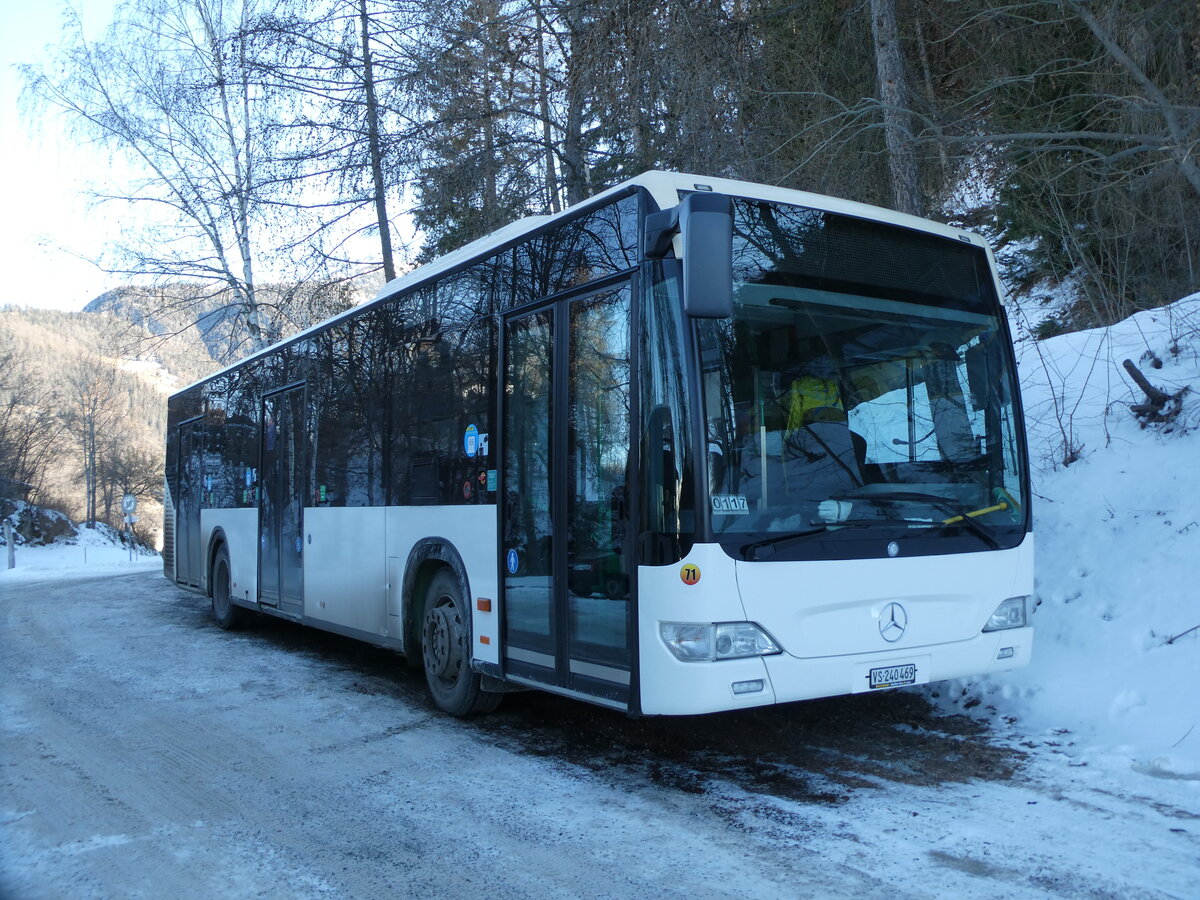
129 506
11 544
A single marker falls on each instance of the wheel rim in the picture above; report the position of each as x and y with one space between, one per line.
442 646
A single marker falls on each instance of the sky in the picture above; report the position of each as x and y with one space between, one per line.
49 230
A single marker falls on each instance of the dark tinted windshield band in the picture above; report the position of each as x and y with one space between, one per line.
828 251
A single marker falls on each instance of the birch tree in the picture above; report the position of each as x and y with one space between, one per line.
170 93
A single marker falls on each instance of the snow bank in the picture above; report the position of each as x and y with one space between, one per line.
1117 648
89 553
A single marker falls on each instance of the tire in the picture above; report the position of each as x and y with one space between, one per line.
445 650
229 616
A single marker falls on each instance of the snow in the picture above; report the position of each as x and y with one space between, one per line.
89 553
1118 542
149 753
153 371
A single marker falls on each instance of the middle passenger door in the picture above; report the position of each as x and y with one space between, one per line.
568 602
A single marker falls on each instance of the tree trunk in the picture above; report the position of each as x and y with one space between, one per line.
897 116
573 173
1156 398
242 186
553 201
927 74
90 479
491 158
491 198
385 232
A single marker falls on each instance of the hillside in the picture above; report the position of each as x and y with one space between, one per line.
1118 551
47 337
83 395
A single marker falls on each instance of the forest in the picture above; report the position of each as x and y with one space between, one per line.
83 396
268 142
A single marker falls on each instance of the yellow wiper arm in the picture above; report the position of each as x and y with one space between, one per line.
977 512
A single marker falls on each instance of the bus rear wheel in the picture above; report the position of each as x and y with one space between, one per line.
228 615
446 648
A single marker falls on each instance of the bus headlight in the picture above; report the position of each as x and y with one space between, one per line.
1009 614
709 641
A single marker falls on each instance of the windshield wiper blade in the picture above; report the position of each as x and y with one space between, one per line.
957 514
754 546
818 528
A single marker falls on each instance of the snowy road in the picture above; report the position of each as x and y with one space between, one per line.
146 753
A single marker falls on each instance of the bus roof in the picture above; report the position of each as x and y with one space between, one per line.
664 188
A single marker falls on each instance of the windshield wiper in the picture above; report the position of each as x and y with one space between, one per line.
957 514
818 528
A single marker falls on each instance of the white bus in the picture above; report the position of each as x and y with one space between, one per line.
692 445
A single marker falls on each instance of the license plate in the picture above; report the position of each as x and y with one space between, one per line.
892 676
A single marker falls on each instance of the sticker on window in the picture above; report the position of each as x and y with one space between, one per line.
730 505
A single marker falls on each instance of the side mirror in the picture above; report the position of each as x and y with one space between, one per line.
705 223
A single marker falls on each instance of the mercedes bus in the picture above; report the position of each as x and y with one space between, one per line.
692 445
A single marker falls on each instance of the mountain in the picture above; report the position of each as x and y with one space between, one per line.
214 320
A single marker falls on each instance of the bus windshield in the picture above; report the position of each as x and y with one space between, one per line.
862 393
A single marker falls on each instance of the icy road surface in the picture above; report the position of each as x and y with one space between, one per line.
147 753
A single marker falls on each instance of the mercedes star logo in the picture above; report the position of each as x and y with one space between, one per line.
892 622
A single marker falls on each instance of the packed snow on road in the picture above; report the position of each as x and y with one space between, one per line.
148 753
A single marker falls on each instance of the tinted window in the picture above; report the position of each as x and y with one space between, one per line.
666 530
579 251
232 456
778 244
351 367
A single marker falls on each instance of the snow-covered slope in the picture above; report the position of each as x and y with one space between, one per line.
1116 670
96 552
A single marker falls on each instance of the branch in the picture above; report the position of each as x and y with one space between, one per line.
1180 151
1156 397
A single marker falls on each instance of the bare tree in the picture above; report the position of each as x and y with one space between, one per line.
1181 123
346 138
170 91
124 467
28 427
90 415
374 144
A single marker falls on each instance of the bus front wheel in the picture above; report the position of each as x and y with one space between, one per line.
446 648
